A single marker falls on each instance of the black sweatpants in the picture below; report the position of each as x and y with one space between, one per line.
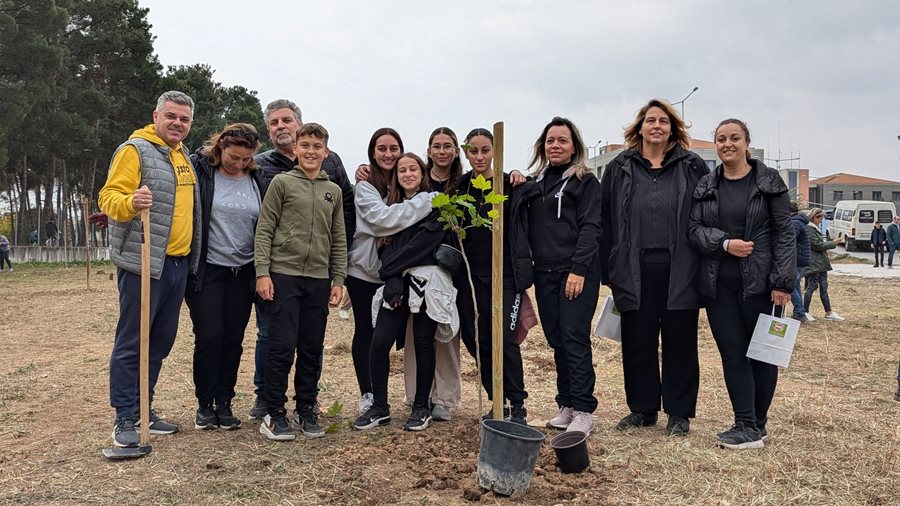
361 293
750 383
391 325
567 325
641 331
219 312
513 374
297 319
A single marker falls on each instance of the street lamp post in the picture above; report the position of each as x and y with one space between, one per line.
685 98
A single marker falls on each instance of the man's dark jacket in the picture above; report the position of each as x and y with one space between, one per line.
800 221
620 251
272 163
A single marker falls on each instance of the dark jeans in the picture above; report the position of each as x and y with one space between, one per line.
878 249
297 320
797 295
166 295
813 281
750 383
391 325
361 293
220 312
567 325
4 257
641 330
513 374
891 250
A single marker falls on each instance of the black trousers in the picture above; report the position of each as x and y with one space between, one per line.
4 257
513 374
878 249
219 312
750 383
567 325
641 332
391 325
361 293
297 319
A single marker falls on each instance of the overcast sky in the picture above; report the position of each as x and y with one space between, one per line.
815 79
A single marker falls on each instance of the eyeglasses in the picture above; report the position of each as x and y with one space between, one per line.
242 134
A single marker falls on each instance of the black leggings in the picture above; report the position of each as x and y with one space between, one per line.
361 293
391 325
750 383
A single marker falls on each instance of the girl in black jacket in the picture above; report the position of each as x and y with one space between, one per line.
651 267
517 277
741 224
564 229
219 295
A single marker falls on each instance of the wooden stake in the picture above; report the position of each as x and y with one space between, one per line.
86 204
497 278
145 330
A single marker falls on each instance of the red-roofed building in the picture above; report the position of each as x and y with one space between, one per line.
826 191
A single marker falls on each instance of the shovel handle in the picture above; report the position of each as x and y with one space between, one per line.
145 329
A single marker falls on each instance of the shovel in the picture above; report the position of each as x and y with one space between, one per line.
144 448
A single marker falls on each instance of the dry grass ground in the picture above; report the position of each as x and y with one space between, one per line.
834 428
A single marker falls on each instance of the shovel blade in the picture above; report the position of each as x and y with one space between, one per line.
126 453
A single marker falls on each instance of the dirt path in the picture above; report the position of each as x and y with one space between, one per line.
835 431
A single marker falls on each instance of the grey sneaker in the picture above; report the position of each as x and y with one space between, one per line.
226 417
582 421
440 413
741 437
562 418
276 426
124 435
206 419
259 409
635 419
158 426
306 420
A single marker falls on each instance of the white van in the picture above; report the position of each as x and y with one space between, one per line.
854 220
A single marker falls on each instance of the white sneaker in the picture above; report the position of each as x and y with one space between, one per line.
365 402
809 317
581 422
834 317
562 419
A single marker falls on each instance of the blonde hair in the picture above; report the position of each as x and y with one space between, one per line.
539 160
679 133
815 213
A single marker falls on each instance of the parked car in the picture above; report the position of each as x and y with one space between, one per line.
854 219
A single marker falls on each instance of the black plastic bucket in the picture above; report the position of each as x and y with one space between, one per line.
507 456
571 451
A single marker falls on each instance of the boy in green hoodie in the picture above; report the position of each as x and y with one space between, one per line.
301 262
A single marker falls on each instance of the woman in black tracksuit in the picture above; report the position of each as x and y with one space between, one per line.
741 224
563 231
648 262
517 277
219 295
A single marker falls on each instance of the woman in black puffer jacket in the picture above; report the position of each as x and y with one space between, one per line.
741 224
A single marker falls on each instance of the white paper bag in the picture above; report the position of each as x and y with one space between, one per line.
609 324
773 339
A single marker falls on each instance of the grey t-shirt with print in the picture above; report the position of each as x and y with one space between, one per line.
232 224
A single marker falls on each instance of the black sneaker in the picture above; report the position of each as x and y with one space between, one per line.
124 435
678 426
158 426
227 420
763 433
307 421
275 426
206 418
259 409
636 419
373 417
490 414
518 414
741 437
419 419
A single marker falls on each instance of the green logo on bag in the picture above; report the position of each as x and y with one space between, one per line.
777 329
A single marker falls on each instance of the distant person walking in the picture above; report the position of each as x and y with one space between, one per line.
800 222
4 253
893 239
33 237
816 272
879 242
52 232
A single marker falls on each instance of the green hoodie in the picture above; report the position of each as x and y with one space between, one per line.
301 228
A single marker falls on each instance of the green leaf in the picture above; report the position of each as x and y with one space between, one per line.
335 409
336 426
494 198
440 200
481 183
462 234
494 214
